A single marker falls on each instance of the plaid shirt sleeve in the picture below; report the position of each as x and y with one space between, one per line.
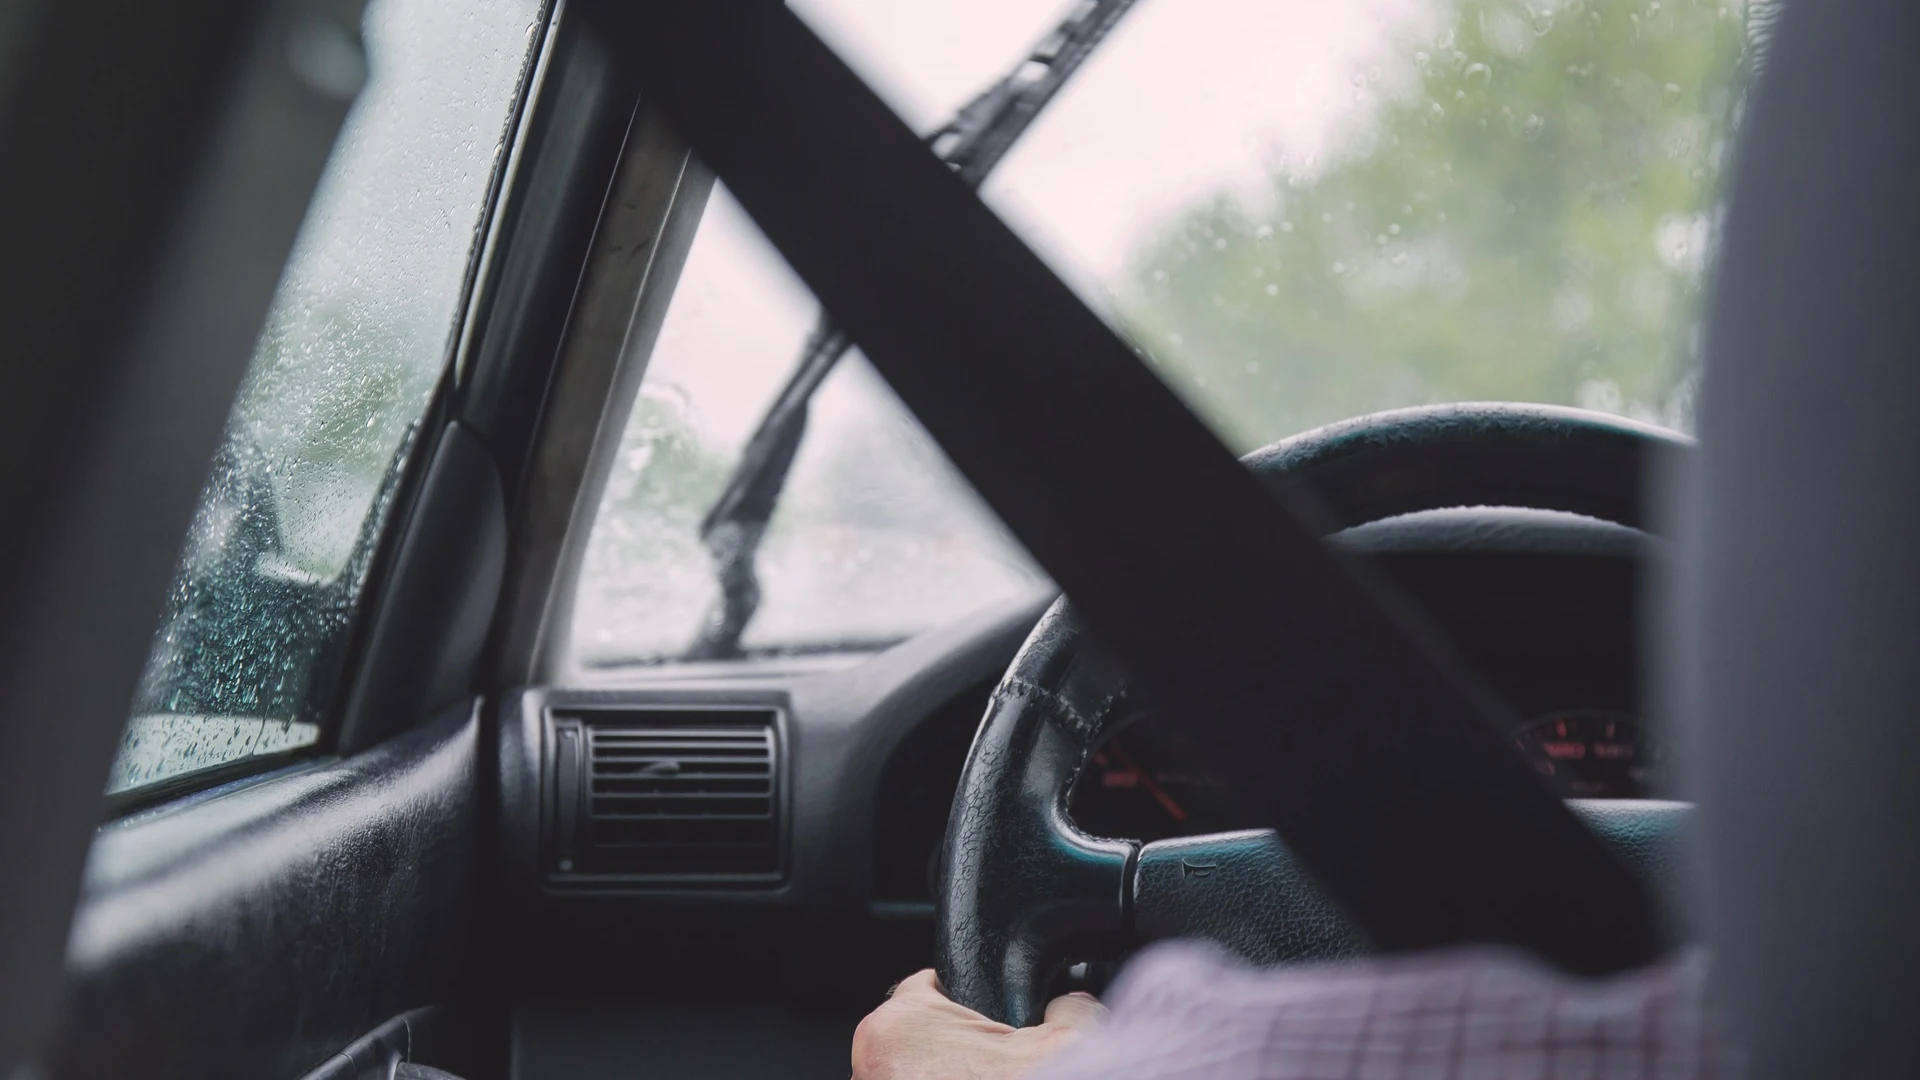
1184 1010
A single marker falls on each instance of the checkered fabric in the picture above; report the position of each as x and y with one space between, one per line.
1183 1010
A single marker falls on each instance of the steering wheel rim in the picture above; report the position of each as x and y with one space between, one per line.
1021 885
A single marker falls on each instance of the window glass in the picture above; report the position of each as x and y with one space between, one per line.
1304 211
251 643
1298 211
876 535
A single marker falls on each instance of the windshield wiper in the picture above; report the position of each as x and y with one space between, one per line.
972 143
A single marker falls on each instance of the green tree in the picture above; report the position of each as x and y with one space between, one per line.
1525 215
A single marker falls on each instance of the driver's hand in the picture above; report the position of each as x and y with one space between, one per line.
919 1034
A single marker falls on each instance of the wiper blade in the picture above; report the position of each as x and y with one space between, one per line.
972 143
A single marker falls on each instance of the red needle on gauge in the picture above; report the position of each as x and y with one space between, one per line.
1178 812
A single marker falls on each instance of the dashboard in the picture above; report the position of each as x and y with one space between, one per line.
822 788
1148 782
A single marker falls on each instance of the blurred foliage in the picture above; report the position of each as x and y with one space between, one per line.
1526 216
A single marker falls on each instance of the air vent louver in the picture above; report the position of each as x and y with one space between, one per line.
668 794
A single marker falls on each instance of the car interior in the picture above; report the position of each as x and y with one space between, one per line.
574 539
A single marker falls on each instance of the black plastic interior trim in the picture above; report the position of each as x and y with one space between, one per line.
257 933
645 230
1420 821
578 120
430 620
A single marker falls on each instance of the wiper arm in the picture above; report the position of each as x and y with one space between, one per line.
973 142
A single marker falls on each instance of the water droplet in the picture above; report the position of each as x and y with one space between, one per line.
1220 244
1286 226
1339 268
1393 229
1477 75
1421 60
1380 239
1532 126
1326 216
1399 258
1159 275
1670 92
1436 110
1441 217
1445 40
1264 232
1273 290
1253 367
1458 60
1542 20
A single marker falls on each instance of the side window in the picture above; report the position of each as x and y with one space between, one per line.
251 645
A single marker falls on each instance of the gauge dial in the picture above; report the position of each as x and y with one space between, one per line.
1146 782
1594 755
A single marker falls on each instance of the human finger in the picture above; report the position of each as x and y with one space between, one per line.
922 983
1075 1011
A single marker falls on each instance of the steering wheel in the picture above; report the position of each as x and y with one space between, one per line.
1023 889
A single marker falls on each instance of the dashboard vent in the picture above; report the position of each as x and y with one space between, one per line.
666 794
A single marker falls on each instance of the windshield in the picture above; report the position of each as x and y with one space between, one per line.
1297 211
1305 211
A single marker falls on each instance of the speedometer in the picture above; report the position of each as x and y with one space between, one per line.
1595 755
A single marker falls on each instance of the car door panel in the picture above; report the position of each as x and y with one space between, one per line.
256 931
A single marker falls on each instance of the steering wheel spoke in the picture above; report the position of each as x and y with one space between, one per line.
1243 891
